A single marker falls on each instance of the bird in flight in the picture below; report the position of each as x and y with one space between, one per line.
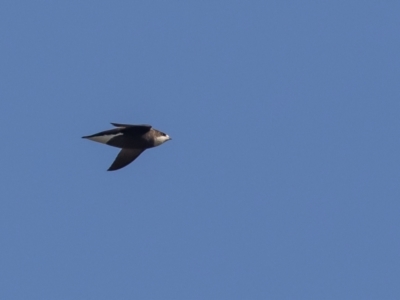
133 139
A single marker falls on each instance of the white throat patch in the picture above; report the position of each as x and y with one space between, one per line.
160 140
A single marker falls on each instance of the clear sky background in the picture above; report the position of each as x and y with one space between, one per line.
282 180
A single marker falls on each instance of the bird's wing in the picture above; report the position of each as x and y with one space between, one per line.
133 129
110 132
124 158
130 125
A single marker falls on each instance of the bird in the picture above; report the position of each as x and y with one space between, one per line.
132 139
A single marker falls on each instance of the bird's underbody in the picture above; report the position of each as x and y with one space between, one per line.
133 139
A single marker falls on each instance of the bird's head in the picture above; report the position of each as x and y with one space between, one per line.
162 138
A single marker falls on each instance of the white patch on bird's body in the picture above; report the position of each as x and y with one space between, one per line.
104 138
161 139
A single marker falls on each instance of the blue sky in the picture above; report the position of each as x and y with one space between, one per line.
282 178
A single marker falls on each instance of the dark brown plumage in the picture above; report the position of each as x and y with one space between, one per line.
133 139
